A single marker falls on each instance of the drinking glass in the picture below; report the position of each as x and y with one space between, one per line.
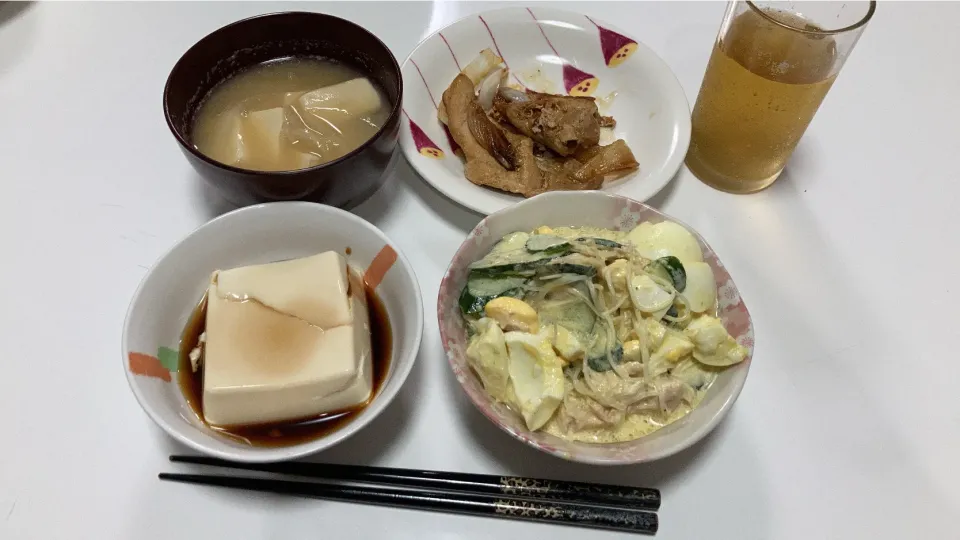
771 66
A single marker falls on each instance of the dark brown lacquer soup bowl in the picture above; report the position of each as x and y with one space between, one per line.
343 182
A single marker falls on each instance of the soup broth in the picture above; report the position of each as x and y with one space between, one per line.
289 114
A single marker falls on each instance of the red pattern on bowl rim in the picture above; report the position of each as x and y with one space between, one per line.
609 211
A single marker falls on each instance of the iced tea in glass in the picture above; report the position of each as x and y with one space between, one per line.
771 66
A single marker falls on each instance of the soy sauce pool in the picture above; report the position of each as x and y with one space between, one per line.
289 432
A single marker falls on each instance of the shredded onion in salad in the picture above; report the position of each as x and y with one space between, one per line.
620 361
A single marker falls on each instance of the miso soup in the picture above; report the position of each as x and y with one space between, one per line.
289 114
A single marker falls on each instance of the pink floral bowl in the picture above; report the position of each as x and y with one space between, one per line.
591 209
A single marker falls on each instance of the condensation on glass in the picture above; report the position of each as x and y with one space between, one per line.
771 66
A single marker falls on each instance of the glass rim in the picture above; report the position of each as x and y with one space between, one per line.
866 18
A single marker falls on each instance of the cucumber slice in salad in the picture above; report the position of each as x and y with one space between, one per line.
480 290
671 269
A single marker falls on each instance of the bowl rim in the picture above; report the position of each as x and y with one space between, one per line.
697 433
182 139
255 454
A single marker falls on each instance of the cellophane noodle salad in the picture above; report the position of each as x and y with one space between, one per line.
596 335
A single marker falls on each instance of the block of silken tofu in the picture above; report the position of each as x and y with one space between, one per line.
356 97
228 127
285 341
262 133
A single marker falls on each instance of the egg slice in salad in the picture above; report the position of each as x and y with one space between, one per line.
596 335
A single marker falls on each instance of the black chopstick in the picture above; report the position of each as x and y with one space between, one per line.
534 488
477 504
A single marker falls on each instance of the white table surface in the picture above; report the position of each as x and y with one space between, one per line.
849 424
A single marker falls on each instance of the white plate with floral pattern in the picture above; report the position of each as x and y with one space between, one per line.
554 51
590 209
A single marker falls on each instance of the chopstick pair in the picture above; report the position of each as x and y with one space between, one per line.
601 506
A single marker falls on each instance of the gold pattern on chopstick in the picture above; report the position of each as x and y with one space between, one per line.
527 509
513 484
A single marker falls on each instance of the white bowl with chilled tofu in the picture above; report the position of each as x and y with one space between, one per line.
273 332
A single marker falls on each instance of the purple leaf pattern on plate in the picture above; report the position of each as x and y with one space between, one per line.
425 146
615 47
575 81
